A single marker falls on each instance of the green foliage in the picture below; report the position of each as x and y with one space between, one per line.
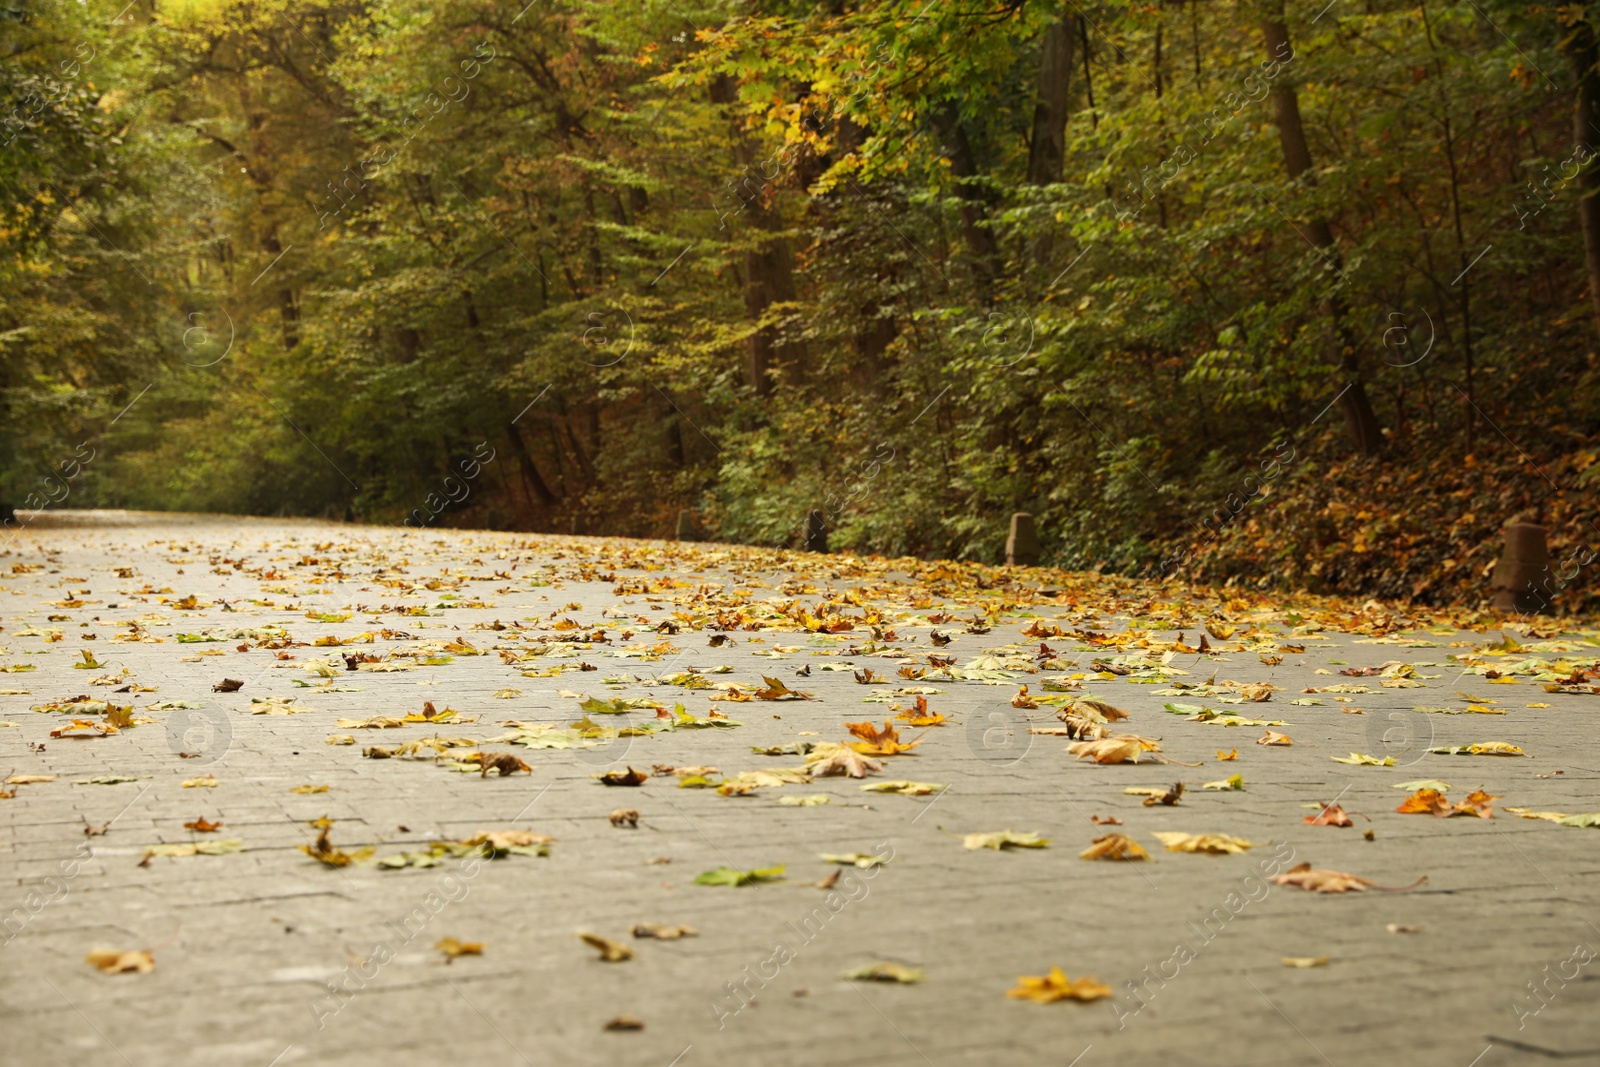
785 257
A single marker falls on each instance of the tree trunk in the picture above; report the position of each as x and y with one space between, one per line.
1583 53
1360 421
530 473
1048 151
768 267
974 204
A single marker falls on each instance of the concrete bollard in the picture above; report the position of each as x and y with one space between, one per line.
1523 569
1022 545
816 533
688 527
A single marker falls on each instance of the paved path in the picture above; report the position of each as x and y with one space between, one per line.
267 956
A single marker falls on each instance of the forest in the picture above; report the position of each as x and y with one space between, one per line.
1276 294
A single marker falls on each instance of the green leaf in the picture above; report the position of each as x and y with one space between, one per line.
729 876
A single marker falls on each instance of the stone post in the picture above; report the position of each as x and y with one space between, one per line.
688 527
1022 546
1519 578
816 533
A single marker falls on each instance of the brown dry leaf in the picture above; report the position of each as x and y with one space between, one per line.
920 715
1327 881
627 1022
1099 710
628 817
1105 820
504 763
1023 700
1078 728
776 690
453 948
828 881
1057 986
1114 847
841 762
228 685
1169 798
876 742
1224 757
1433 802
114 961
610 951
1330 815
1121 748
1272 737
664 933
201 826
1218 844
627 777
1424 802
323 852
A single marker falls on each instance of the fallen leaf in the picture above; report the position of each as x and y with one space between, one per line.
610 951
453 948
627 777
1433 802
113 961
1219 844
1330 815
228 685
1057 986
225 846
205 781
1303 961
1305 877
1356 759
1114 846
842 761
1003 839
1233 783
307 790
625 1022
811 801
884 972
664 933
854 859
1273 738
904 788
876 742
1120 748
731 877
1591 819
200 825
1485 748
1224 757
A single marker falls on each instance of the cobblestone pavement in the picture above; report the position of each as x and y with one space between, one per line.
267 956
